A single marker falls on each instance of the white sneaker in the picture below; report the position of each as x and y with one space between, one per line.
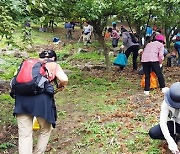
146 93
164 89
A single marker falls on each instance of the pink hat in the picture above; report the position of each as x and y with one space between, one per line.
160 38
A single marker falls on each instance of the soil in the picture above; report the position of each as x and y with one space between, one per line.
64 137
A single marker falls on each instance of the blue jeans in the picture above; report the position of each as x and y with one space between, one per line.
115 42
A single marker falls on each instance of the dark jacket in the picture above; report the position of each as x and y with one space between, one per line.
41 105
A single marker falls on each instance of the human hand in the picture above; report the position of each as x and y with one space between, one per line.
173 147
122 47
61 88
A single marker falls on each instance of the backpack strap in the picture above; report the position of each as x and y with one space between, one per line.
176 113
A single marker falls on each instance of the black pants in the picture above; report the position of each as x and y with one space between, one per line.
156 133
152 66
134 49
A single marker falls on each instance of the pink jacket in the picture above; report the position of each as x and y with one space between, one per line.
154 51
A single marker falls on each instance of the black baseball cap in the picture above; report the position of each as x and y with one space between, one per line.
48 54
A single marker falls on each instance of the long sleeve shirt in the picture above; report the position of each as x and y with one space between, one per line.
127 41
154 51
164 117
177 46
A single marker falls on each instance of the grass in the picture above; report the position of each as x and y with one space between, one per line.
93 56
45 38
6 107
103 136
94 132
112 122
9 66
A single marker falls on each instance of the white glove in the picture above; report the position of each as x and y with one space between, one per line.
122 47
173 147
160 65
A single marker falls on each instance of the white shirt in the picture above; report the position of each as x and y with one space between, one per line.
165 110
88 29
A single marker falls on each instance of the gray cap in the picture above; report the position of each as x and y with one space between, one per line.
172 96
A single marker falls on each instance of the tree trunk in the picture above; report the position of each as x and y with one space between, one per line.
129 24
167 37
98 26
105 52
167 32
138 31
52 25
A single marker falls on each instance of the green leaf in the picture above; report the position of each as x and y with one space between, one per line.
42 19
33 2
28 8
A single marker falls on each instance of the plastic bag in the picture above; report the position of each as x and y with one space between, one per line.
121 60
36 125
153 81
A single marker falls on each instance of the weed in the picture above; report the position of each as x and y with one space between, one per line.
6 107
103 135
9 67
6 145
122 102
5 98
93 56
140 117
62 114
153 147
138 143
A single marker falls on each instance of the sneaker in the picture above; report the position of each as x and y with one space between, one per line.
164 89
146 93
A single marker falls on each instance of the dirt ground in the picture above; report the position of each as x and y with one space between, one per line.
64 137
